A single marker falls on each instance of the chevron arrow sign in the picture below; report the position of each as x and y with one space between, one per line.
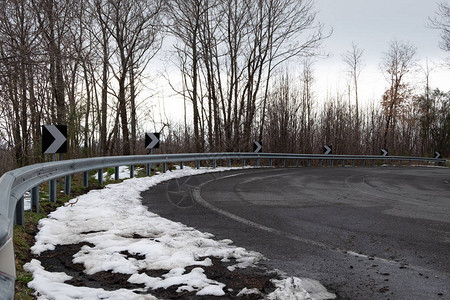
257 147
152 140
54 139
437 154
327 149
384 152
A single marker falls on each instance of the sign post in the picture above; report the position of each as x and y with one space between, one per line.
54 140
327 150
151 142
257 148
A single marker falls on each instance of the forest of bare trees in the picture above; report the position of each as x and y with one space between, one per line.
83 64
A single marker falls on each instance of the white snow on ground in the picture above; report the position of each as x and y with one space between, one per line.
109 218
294 288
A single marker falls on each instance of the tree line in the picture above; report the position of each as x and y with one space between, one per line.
84 64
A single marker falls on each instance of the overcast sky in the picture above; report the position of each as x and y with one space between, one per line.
373 25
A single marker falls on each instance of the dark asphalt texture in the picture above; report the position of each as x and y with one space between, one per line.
364 233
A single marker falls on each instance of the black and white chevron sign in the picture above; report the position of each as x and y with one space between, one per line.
152 140
257 147
54 139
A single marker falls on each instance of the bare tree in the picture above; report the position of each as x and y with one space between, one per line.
184 24
54 19
228 52
18 33
307 114
353 59
135 28
283 126
98 12
272 33
397 62
441 21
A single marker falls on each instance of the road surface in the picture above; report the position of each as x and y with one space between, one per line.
364 233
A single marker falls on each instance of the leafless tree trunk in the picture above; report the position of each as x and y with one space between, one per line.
307 102
54 20
135 28
354 61
398 61
99 12
184 24
441 21
17 33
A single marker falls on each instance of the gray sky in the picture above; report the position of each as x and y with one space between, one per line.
373 25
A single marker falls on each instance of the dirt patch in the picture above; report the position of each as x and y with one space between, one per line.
60 260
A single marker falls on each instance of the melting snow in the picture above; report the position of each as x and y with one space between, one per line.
110 218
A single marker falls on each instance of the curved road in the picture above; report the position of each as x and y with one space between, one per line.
364 233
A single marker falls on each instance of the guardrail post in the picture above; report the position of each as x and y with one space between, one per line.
19 216
270 162
343 162
309 163
296 163
331 162
100 176
284 163
229 163
164 167
401 162
197 164
257 162
363 163
214 163
85 179
320 163
373 163
67 184
181 165
116 173
353 162
132 171
52 190
243 162
35 198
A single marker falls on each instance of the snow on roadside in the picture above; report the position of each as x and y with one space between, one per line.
110 219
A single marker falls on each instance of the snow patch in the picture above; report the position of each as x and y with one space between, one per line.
294 288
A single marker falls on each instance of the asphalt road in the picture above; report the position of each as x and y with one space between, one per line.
364 233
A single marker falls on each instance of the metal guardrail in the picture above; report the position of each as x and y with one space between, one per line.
14 184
